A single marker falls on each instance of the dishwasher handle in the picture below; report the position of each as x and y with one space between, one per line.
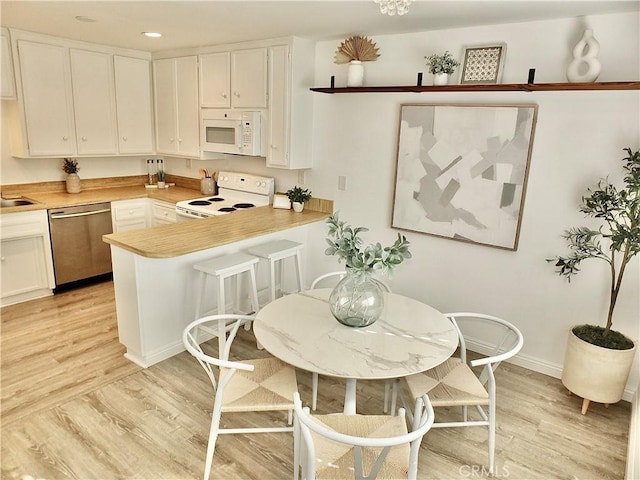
82 214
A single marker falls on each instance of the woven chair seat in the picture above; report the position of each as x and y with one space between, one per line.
335 460
451 383
267 388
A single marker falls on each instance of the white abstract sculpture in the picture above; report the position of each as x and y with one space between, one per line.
584 56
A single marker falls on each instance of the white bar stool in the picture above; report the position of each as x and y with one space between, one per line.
276 252
224 267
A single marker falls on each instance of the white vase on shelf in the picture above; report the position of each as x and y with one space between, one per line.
355 74
441 79
585 67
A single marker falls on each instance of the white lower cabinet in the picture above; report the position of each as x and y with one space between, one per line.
129 215
25 256
162 213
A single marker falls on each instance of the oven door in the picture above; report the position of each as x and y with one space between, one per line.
222 136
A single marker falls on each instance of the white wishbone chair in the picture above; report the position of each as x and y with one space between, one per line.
454 383
358 446
260 385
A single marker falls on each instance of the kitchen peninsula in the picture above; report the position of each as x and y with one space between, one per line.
154 279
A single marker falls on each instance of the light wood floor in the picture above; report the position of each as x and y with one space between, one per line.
73 407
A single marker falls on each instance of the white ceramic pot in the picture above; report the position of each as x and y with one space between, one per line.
73 183
297 206
355 74
441 79
585 67
596 373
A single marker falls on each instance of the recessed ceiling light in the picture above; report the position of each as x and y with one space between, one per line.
82 18
152 34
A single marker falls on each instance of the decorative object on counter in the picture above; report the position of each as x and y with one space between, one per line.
472 194
584 54
298 196
597 359
355 50
70 167
441 67
393 7
281 201
151 171
207 182
358 300
483 64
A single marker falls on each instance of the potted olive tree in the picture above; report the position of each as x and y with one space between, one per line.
298 196
598 359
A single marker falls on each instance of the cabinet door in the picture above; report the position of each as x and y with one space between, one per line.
214 80
165 105
249 78
23 269
278 136
48 104
133 105
188 106
8 89
94 102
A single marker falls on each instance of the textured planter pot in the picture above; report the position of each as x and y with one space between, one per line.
73 183
595 373
297 206
441 79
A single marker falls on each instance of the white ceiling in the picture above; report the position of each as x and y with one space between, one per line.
201 23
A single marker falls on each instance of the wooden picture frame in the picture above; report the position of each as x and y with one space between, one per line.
482 64
462 171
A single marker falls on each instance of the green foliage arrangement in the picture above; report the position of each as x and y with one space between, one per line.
70 166
345 242
619 211
298 194
442 63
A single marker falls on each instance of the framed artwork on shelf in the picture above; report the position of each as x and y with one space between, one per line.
461 171
482 64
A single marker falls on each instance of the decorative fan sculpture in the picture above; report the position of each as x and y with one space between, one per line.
356 48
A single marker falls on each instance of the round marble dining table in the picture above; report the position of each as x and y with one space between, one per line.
410 337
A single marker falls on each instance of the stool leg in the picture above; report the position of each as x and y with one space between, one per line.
281 276
222 331
203 281
272 279
299 270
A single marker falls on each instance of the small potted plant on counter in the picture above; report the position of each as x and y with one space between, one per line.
598 359
441 66
298 197
70 167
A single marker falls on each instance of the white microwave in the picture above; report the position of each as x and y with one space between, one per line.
231 131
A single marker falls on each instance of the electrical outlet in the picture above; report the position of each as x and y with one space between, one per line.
301 176
342 182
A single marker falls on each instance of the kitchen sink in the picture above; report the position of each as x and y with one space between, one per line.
15 202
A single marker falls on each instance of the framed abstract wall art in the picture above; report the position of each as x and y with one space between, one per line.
482 64
462 170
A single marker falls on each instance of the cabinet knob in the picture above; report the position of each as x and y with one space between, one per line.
65 138
84 139
124 139
179 140
236 94
2 259
171 140
274 147
224 95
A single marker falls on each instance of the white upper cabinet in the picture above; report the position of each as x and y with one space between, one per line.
47 98
177 106
8 86
290 105
72 101
133 105
249 78
94 102
215 76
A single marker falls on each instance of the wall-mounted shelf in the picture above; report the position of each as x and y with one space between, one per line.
504 87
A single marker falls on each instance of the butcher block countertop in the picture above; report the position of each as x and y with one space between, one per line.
168 241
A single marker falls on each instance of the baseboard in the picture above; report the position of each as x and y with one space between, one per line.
633 450
535 364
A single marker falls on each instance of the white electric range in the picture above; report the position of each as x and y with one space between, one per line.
236 191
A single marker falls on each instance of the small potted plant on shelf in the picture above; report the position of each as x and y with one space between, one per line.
298 197
70 167
355 50
598 359
441 66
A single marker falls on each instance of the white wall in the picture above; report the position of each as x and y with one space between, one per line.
579 138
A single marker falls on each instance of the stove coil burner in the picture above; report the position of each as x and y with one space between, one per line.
216 199
226 209
199 202
244 205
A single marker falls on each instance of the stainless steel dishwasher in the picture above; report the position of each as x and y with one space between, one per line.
76 240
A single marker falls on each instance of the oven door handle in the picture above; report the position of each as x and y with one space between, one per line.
180 213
